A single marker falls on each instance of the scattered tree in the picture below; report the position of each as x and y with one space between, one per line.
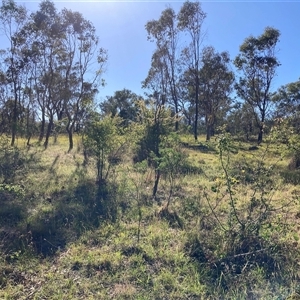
215 85
123 103
288 103
257 62
190 19
164 32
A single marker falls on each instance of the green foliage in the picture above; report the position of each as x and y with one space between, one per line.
172 159
241 122
215 85
258 63
102 139
124 104
156 123
8 191
11 161
287 99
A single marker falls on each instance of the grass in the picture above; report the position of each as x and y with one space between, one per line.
62 238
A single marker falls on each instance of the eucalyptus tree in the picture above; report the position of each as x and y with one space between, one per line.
257 63
164 32
215 84
240 121
287 99
156 80
123 103
13 65
45 35
80 79
187 97
190 20
154 117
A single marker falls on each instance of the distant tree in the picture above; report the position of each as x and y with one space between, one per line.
190 19
80 81
215 84
123 103
53 66
287 99
187 97
7 114
156 80
257 63
241 121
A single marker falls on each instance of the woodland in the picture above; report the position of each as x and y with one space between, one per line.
190 191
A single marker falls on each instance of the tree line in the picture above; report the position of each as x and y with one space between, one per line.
52 67
50 71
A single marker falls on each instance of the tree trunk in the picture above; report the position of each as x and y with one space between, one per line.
14 122
208 132
260 135
196 109
70 135
13 133
261 127
176 122
212 130
28 127
49 128
155 187
42 131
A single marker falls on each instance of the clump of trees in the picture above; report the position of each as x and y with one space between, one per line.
50 71
197 82
52 68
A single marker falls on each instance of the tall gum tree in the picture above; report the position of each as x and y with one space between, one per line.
190 20
164 32
77 59
257 63
215 85
44 36
12 18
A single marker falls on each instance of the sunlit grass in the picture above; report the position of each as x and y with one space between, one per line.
145 254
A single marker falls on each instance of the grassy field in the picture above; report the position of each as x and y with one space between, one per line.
231 230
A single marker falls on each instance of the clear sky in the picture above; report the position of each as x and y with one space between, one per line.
120 26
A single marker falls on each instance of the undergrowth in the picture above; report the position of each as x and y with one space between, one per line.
222 224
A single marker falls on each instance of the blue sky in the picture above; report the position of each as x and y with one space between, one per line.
121 28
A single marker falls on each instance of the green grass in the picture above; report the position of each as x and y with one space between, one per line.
62 238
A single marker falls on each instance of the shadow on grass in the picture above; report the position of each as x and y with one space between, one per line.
254 262
41 224
71 213
291 176
199 147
